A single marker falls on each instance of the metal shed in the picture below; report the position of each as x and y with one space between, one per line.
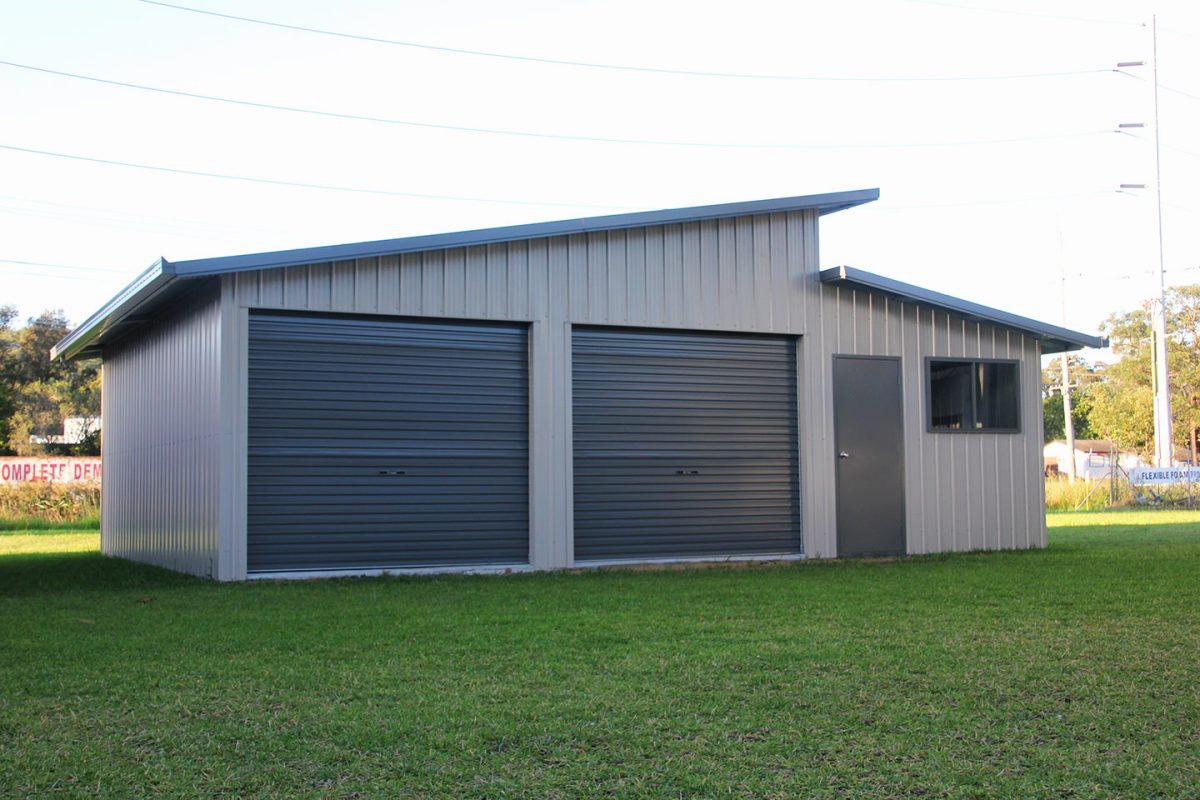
670 385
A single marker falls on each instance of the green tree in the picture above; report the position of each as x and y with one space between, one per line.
1121 406
8 383
1083 374
1052 416
34 341
37 394
1123 414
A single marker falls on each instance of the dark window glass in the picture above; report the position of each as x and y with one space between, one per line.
973 396
950 394
996 397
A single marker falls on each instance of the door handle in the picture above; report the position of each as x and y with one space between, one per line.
843 454
392 472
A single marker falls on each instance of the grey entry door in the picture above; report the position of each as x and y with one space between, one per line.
685 444
376 443
869 442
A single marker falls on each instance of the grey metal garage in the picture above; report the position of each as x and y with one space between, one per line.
660 385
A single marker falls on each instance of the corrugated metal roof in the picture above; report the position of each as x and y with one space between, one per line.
1054 339
117 312
824 203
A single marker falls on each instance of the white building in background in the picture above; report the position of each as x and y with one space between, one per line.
75 431
1094 458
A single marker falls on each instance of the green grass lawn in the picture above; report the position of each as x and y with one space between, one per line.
1069 672
32 525
50 540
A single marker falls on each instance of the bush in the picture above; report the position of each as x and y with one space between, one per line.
51 502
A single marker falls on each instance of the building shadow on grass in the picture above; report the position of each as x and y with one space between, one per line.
30 574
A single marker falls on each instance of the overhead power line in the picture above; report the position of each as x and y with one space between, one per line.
1056 17
113 222
122 218
606 66
1039 15
531 134
52 265
46 276
1161 85
1132 275
1178 32
1179 91
1185 151
1165 145
302 185
1000 201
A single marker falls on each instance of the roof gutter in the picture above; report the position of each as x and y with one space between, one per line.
115 312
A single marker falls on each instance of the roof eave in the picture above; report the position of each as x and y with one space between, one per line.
141 289
1053 338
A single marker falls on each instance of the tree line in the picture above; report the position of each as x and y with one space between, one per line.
1115 401
37 394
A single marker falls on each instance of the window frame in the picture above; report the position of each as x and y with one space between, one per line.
928 395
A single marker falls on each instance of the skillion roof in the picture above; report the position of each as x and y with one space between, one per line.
131 305
128 306
1053 338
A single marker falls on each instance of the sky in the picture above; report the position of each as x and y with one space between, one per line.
990 128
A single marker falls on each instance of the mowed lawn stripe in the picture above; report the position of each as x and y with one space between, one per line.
1073 671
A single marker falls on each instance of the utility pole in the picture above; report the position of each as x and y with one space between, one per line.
1164 443
1068 423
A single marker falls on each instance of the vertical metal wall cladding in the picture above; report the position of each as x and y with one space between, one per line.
161 444
685 444
378 443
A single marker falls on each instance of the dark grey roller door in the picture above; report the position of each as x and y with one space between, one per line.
685 444
386 443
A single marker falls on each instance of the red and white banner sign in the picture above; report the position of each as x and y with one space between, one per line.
49 470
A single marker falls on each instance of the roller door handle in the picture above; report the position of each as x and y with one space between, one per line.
392 472
687 472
